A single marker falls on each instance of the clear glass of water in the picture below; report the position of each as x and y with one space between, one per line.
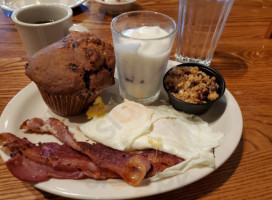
200 24
142 43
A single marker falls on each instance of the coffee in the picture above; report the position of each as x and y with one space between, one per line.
44 21
40 25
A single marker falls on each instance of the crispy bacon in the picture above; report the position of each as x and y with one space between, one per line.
104 162
131 167
159 160
54 157
30 171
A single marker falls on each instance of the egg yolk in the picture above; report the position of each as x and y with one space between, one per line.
97 109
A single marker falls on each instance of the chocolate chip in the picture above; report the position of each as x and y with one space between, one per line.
26 65
107 68
73 67
86 78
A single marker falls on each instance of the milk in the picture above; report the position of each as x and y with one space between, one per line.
141 59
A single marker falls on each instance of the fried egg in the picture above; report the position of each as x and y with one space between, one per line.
121 126
133 126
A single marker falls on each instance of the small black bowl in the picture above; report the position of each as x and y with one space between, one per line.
191 108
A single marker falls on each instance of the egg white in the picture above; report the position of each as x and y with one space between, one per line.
121 126
133 126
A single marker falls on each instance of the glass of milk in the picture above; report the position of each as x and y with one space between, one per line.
143 42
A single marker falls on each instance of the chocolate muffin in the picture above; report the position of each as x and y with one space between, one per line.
71 73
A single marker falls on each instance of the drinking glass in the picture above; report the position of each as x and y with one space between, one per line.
143 42
200 24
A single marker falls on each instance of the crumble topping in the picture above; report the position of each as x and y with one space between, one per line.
191 85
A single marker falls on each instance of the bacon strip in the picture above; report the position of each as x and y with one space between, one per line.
159 160
57 160
30 171
131 167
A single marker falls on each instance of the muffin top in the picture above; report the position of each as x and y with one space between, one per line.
80 62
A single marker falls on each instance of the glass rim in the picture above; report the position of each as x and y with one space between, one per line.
143 39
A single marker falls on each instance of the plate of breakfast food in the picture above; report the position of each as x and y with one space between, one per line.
11 5
116 149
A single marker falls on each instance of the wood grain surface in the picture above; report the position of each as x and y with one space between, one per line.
243 56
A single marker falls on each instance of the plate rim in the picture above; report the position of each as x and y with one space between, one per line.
116 4
11 9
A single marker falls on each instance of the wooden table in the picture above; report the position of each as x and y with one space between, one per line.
243 57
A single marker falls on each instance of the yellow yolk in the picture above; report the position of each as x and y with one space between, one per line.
97 109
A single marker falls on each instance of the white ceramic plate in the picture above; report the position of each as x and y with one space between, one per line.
225 115
11 5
